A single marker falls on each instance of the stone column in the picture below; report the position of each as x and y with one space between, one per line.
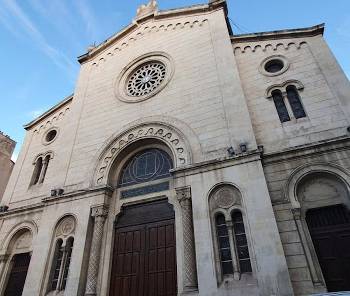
43 169
190 269
304 241
3 261
99 213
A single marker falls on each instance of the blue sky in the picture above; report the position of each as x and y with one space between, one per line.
40 40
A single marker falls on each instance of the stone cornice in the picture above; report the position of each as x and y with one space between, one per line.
280 34
215 164
158 15
48 112
59 199
321 147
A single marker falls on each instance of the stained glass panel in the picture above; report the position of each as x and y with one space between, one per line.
148 165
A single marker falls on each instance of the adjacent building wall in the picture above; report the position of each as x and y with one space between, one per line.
6 164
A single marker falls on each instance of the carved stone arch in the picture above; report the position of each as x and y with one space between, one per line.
299 86
162 132
65 226
43 155
290 188
15 231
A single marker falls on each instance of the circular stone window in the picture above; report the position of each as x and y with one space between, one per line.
144 78
50 136
273 66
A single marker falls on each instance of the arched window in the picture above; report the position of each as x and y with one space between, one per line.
295 102
280 106
148 165
37 170
241 242
62 255
288 102
231 244
224 245
40 169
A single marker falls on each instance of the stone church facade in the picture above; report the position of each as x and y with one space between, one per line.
188 161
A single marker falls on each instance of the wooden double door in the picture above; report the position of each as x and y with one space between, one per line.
330 231
18 274
144 257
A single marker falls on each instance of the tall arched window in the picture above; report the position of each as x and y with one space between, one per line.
231 244
62 254
224 244
288 102
280 106
40 168
295 102
241 242
37 170
147 166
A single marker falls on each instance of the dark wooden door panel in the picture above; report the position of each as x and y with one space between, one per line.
18 275
330 231
144 259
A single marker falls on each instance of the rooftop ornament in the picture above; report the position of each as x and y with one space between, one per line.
148 9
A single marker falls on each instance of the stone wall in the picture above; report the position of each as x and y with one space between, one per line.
6 164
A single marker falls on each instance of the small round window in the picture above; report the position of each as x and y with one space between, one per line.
273 66
50 136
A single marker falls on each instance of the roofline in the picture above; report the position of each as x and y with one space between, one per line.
48 112
159 15
280 34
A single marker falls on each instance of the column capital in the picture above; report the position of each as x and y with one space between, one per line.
4 257
183 194
99 211
296 213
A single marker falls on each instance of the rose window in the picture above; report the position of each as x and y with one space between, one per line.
146 79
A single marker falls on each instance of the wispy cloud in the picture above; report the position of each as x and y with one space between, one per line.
57 57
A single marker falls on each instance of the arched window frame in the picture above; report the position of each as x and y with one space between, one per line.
296 110
61 255
237 275
41 165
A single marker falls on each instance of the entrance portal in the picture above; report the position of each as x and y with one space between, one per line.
17 278
144 257
330 231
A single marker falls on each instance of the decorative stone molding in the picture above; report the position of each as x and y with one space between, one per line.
241 49
121 84
299 173
143 31
43 156
280 58
225 197
190 275
171 137
144 10
66 227
299 86
99 213
49 122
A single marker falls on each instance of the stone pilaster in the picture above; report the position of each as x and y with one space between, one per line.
316 277
3 261
99 213
190 269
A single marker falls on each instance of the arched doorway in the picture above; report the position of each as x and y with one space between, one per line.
324 199
144 250
144 256
330 231
19 252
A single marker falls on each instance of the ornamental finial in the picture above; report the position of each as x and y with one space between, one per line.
150 8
